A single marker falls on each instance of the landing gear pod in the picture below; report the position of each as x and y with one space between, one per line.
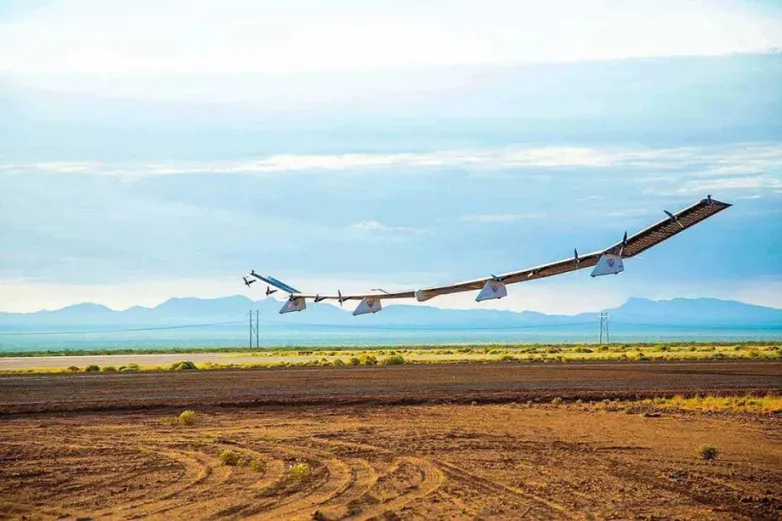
608 264
368 305
492 289
294 304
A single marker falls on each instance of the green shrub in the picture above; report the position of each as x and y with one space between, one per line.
73 369
229 457
368 360
184 365
256 465
92 368
354 361
300 472
708 452
187 417
393 360
130 367
338 362
108 369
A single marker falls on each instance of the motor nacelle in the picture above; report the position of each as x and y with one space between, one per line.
368 305
609 264
492 289
294 304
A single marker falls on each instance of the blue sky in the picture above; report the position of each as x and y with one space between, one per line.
167 149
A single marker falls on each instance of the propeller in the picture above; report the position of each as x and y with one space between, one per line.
624 243
673 218
269 291
247 281
318 298
339 298
575 256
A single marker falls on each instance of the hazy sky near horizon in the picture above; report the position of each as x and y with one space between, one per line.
164 148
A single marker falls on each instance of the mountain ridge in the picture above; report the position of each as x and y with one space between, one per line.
643 311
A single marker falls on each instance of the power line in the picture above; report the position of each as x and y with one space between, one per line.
129 330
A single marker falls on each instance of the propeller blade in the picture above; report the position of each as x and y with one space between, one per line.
575 255
673 218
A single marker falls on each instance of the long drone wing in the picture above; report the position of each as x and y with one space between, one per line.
629 247
605 261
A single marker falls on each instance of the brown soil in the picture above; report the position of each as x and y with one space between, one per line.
406 384
500 461
376 460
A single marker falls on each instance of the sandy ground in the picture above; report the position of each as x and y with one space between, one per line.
405 384
402 442
500 461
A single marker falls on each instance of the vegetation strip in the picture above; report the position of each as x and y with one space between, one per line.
347 357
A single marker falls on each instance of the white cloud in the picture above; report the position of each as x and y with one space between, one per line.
381 232
724 167
186 37
733 183
498 217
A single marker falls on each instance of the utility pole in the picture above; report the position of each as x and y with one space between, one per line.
251 329
257 327
604 327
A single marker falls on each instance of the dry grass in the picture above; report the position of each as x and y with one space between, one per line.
768 404
274 359
187 418
300 472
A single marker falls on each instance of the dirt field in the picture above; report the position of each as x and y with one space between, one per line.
392 462
373 457
405 384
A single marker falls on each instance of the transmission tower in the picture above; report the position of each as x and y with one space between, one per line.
254 329
604 327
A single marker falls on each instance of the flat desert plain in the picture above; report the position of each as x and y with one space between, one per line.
375 459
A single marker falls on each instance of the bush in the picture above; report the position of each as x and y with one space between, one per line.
184 365
187 417
354 361
130 367
556 401
338 362
229 457
708 452
256 465
507 358
73 369
393 360
108 369
368 360
92 368
300 472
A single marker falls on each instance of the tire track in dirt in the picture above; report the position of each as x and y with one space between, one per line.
554 509
690 488
197 472
431 479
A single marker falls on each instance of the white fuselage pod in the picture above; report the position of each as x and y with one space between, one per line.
492 289
294 304
368 305
609 264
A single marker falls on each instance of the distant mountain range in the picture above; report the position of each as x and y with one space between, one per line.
636 312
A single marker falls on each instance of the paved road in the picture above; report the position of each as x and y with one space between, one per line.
405 384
